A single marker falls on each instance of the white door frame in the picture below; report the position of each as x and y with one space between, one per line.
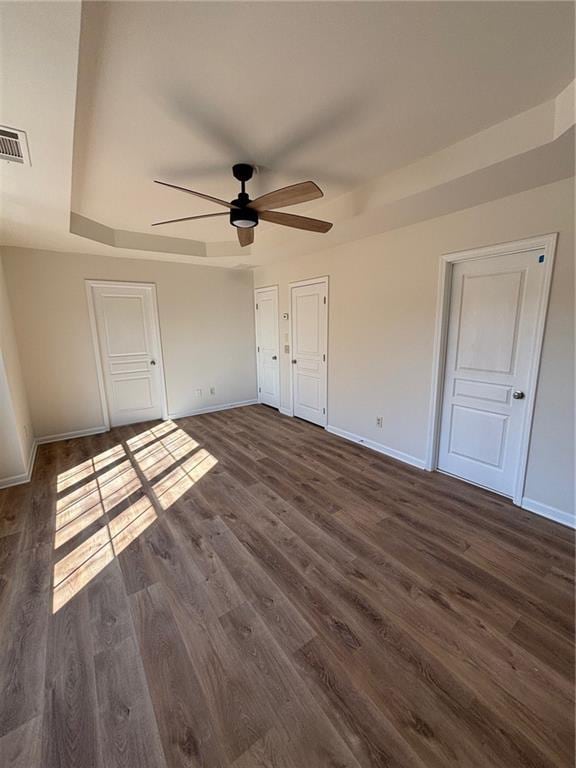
90 284
298 284
545 243
262 289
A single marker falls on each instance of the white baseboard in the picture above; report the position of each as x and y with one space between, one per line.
69 435
6 482
564 518
286 411
210 409
379 447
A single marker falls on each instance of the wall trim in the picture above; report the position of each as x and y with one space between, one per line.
286 411
379 447
70 435
6 482
557 515
211 409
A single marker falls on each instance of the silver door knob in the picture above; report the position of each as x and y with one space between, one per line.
152 362
274 357
517 395
293 362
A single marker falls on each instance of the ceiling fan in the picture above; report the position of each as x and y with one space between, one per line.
245 213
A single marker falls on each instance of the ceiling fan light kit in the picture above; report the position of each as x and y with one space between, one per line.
245 213
243 217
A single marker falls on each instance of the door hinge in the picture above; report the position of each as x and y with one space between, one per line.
324 299
324 410
256 306
259 389
323 358
258 349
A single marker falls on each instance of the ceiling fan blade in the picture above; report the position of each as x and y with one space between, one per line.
197 194
188 218
245 235
298 222
280 198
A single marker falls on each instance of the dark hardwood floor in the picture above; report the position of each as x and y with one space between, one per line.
243 589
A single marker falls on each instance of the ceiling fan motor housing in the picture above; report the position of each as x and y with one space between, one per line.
242 216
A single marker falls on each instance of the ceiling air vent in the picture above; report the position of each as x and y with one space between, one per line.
13 146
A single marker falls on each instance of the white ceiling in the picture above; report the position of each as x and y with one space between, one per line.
335 92
341 93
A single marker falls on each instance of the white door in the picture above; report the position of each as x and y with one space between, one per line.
309 350
494 310
266 310
129 345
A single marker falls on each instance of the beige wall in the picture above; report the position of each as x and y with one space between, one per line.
383 293
206 323
15 429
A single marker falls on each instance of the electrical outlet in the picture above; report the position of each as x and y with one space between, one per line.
212 390
379 421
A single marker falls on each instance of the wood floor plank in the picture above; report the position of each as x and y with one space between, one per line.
21 747
285 622
237 707
222 589
23 633
108 608
130 737
9 549
71 733
244 589
481 582
14 510
189 738
372 737
302 526
514 572
301 729
546 646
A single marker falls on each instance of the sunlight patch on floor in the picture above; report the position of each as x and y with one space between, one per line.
160 456
83 506
95 493
88 467
181 479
